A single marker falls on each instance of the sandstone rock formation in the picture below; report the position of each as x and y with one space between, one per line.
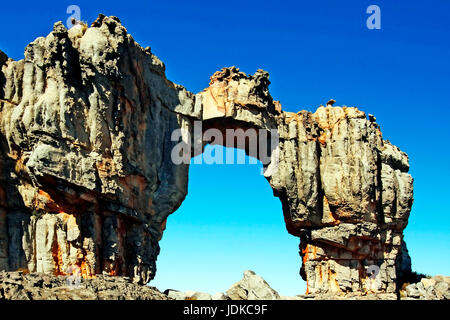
87 178
252 287
431 288
35 286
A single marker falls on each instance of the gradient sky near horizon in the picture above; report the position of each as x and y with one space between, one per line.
314 51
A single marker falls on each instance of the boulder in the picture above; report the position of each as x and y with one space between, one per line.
441 288
252 287
176 295
194 295
411 291
428 282
219 296
34 286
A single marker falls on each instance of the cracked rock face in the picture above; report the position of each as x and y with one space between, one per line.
87 178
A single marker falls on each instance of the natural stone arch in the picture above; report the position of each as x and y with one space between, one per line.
87 175
343 229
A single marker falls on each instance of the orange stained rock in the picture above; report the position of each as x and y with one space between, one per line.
57 258
305 253
86 270
23 270
218 75
214 102
331 219
19 166
320 273
64 216
323 138
110 267
106 166
332 280
44 194
290 116
113 272
44 201
57 254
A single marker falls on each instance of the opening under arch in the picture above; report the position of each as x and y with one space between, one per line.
229 222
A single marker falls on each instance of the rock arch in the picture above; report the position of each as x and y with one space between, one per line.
87 175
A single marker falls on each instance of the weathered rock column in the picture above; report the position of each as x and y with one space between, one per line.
85 169
347 194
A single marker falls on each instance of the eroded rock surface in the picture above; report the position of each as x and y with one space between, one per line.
38 286
252 287
87 178
428 288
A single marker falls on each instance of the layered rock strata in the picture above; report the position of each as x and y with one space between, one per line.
88 178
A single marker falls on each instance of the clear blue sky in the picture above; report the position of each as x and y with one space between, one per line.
314 51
